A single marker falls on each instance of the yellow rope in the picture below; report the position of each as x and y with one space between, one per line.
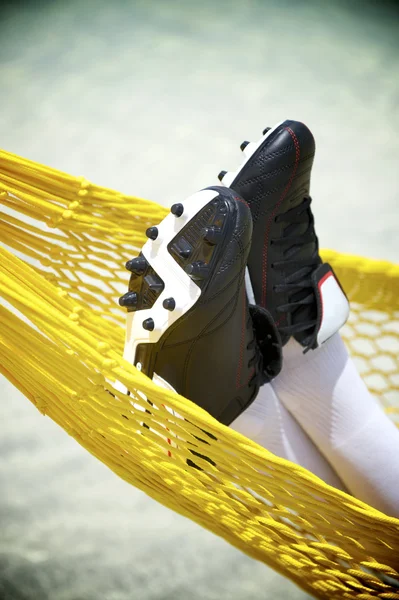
65 242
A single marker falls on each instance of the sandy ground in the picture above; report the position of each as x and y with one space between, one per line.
153 98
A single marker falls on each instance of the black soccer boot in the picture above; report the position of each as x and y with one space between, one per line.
285 269
188 320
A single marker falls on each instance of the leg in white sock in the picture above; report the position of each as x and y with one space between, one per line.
324 392
269 424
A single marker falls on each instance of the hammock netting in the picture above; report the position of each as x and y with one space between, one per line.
64 245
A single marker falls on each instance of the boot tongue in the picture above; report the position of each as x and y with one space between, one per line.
330 308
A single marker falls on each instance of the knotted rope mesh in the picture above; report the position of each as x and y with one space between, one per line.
64 244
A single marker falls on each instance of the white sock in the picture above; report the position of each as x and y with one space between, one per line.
270 425
324 392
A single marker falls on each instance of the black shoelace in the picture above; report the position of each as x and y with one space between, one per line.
298 283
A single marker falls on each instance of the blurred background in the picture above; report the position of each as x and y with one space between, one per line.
154 98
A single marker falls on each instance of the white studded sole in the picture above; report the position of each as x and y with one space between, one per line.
178 284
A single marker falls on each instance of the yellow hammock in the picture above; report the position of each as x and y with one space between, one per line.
61 343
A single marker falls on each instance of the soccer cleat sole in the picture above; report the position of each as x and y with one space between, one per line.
171 272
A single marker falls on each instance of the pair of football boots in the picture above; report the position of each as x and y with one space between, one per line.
230 275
